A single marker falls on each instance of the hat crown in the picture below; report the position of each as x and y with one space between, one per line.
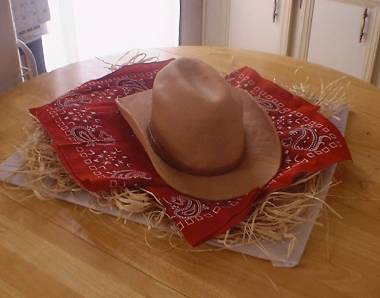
196 123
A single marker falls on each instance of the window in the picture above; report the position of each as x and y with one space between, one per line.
84 29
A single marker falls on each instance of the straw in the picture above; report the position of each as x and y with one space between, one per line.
274 218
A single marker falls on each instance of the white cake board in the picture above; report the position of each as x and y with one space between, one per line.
277 252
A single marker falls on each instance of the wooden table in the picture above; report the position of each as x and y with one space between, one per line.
55 249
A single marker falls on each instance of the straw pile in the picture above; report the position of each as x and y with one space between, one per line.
273 218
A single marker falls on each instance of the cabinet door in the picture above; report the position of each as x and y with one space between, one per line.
215 22
335 36
253 25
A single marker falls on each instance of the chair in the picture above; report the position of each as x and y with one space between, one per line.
30 67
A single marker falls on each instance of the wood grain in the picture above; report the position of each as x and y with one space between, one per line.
51 248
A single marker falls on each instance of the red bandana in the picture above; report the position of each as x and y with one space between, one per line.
100 151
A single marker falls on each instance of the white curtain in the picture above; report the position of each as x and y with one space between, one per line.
84 29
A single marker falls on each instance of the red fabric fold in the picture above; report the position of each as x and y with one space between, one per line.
99 150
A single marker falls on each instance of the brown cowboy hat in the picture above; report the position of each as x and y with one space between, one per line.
205 138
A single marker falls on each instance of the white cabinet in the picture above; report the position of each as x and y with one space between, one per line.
261 25
215 22
325 32
340 34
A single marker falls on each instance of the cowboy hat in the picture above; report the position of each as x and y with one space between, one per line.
205 138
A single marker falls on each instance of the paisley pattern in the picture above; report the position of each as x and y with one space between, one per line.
268 105
132 86
131 174
91 137
185 207
304 138
73 101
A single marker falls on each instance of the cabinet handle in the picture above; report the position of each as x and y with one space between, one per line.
275 10
364 20
301 2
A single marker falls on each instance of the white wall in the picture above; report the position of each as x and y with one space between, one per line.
9 59
191 22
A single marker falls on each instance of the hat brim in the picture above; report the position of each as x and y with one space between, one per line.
261 161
